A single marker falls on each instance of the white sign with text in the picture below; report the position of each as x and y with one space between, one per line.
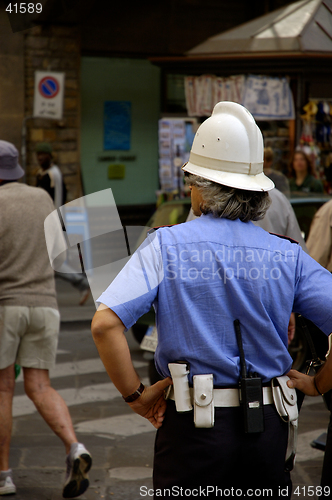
48 95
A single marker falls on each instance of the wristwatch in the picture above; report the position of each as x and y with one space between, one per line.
135 395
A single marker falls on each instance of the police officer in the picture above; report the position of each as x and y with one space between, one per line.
200 277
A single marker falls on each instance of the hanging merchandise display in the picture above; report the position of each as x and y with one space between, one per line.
308 119
323 124
204 92
316 139
265 97
324 141
268 98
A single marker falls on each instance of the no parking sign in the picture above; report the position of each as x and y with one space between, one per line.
48 96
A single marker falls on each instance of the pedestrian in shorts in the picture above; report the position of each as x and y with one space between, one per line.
29 321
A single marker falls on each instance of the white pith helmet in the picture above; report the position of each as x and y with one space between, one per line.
228 149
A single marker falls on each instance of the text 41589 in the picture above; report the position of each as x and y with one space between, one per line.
23 8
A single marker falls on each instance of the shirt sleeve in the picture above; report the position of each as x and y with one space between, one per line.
133 291
313 292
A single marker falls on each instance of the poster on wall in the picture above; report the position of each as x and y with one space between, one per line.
117 125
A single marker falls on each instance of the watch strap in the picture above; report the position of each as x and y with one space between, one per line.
135 395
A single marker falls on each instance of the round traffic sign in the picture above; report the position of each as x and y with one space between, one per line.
49 87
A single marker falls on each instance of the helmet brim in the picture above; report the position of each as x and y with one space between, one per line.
258 182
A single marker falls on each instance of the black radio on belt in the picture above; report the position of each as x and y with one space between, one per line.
251 392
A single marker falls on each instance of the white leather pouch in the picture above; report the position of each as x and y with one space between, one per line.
203 400
179 374
285 400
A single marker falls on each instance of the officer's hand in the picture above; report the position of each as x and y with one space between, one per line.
303 382
152 404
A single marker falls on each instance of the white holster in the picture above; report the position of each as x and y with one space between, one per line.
203 400
179 374
285 401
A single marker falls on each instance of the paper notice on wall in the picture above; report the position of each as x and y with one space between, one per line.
268 98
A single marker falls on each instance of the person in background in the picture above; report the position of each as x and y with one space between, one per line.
320 248
318 385
279 179
29 321
49 177
280 219
303 175
320 236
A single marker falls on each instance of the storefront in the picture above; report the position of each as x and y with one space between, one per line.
293 45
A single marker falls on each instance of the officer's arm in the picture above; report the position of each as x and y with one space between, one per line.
306 384
323 378
108 334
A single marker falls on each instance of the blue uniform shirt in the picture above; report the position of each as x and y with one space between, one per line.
202 275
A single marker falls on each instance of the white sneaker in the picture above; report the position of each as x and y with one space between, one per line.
79 462
7 487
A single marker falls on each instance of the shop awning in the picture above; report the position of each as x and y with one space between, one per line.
302 28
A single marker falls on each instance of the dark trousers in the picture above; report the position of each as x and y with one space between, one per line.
222 457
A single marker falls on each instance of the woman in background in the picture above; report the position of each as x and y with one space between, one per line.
303 176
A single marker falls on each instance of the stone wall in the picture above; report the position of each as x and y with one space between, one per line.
55 48
11 82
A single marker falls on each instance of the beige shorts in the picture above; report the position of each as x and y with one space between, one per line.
28 336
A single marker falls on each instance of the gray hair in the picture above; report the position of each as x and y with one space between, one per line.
228 202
